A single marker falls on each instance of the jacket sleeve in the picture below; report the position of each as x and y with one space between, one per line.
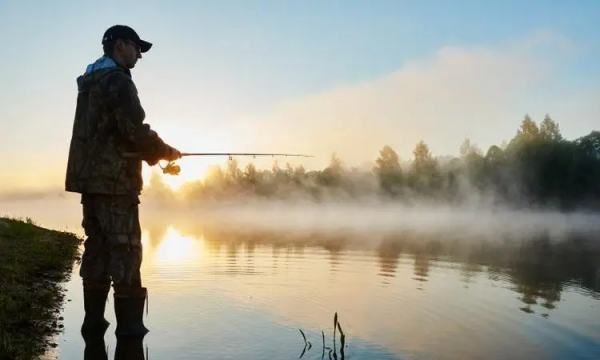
129 116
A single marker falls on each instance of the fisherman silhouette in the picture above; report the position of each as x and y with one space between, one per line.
109 122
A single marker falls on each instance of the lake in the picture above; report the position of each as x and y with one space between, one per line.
406 283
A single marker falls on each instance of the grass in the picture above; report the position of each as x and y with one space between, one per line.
331 352
33 263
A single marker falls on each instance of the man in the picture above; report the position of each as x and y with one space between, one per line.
108 144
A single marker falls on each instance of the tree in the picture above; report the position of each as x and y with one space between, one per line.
250 175
335 164
388 170
388 160
473 161
332 174
299 174
214 175
424 162
467 148
586 168
425 170
529 129
549 130
214 181
495 164
289 170
590 144
527 133
280 176
233 174
494 155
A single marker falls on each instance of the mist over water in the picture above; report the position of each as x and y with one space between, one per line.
383 218
377 218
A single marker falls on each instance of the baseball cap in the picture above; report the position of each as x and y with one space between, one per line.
126 33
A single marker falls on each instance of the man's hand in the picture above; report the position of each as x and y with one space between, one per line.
172 154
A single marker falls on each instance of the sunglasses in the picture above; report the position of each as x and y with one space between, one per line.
135 45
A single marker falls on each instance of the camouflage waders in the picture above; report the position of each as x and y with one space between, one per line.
113 248
113 252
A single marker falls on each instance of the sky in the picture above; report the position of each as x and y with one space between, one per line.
302 76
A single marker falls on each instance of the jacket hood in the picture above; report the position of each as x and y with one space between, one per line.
94 71
103 62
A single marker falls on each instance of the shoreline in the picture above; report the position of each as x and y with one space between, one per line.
34 264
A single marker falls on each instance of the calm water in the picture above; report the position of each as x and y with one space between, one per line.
219 291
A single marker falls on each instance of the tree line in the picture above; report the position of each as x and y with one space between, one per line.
537 167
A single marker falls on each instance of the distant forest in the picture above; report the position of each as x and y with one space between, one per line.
536 168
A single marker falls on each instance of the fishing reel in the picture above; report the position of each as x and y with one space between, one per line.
171 168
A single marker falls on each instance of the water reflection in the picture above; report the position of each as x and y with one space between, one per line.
421 267
537 268
335 246
222 290
130 348
388 252
177 249
127 348
468 271
95 348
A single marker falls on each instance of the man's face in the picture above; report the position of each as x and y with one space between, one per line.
129 52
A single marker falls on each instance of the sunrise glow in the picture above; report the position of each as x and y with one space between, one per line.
178 249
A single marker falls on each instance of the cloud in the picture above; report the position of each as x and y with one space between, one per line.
476 92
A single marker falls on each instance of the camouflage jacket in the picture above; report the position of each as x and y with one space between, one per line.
108 124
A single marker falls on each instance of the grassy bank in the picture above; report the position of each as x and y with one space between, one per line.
33 263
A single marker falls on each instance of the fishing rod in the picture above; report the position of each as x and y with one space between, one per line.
242 154
173 169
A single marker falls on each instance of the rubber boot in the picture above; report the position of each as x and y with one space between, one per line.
130 348
94 302
129 311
